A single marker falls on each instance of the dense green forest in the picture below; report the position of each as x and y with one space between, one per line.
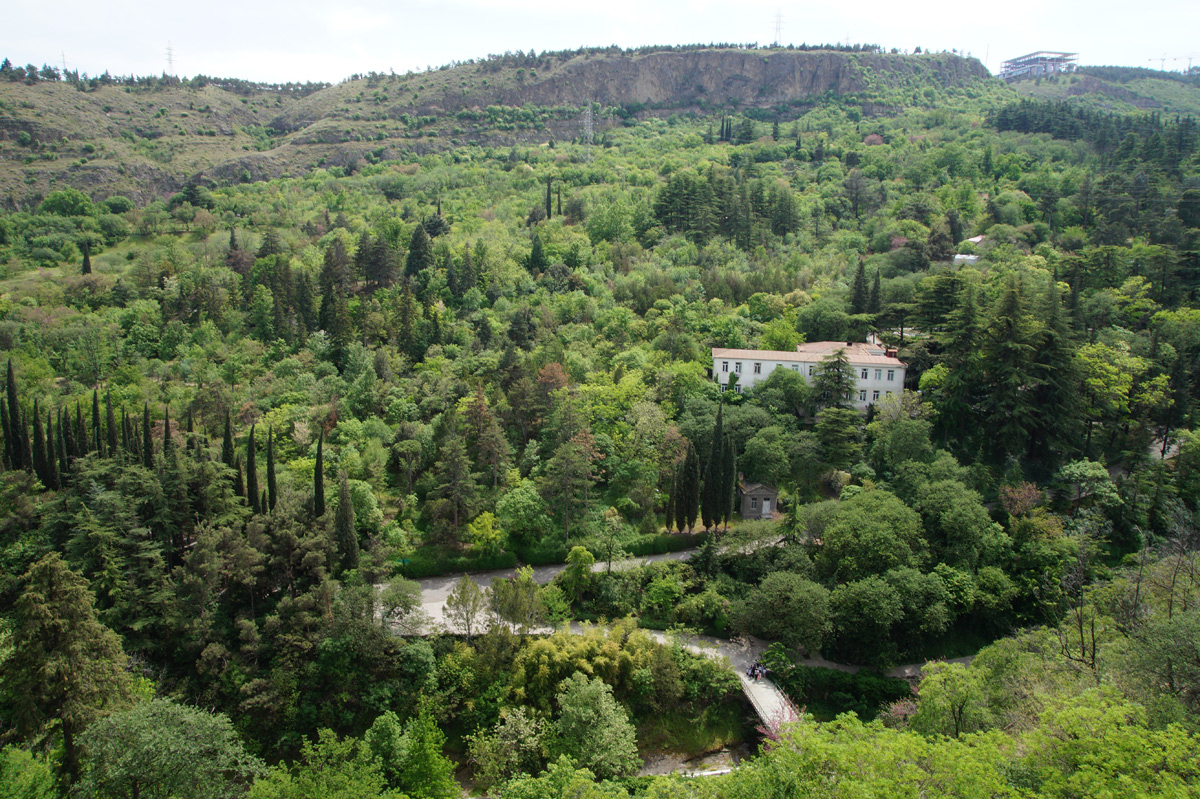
241 420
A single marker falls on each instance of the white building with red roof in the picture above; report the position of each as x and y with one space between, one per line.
877 371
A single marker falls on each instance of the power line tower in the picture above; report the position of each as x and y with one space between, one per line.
170 59
588 130
778 28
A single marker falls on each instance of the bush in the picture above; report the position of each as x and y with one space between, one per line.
829 692
431 562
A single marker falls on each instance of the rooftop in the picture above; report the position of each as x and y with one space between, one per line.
857 353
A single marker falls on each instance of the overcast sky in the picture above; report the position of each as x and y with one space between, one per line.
306 40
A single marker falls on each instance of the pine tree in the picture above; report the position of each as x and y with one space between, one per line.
420 253
319 479
344 532
834 384
538 262
64 668
252 475
147 439
858 296
272 494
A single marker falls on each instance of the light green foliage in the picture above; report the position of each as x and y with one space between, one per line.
162 749
517 600
485 535
25 776
467 606
578 574
593 729
953 700
515 746
330 767
523 513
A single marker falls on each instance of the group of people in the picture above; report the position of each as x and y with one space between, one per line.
756 671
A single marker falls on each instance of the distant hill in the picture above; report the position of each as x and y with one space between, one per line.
151 141
1119 89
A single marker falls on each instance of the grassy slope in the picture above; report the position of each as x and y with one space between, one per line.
1139 95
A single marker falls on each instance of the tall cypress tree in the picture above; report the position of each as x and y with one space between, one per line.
7 430
82 445
110 424
728 484
86 268
673 499
710 507
252 475
168 442
689 489
549 210
97 430
227 443
147 439
875 302
67 433
271 492
64 464
52 477
190 444
13 433
344 533
39 447
319 479
859 296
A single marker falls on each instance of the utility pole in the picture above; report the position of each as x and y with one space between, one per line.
778 28
170 58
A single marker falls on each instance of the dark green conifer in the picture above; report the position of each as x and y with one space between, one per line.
13 432
858 296
239 485
227 443
344 532
168 442
147 439
875 303
538 262
319 479
39 447
110 424
728 484
272 496
86 268
52 476
689 490
97 430
252 474
710 505
420 252
82 445
7 430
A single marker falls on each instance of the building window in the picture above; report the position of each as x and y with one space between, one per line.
875 396
862 396
753 503
795 367
878 374
738 389
737 367
758 368
864 374
723 387
891 374
724 366
810 370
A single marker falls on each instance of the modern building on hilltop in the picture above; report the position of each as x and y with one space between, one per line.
877 370
1035 65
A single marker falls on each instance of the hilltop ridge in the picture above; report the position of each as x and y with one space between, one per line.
150 142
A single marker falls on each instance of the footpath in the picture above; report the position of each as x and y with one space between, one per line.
771 705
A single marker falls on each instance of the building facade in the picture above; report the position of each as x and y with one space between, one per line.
877 371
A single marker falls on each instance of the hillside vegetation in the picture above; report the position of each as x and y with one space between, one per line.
241 417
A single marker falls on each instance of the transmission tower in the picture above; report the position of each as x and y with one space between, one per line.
588 130
778 28
170 59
